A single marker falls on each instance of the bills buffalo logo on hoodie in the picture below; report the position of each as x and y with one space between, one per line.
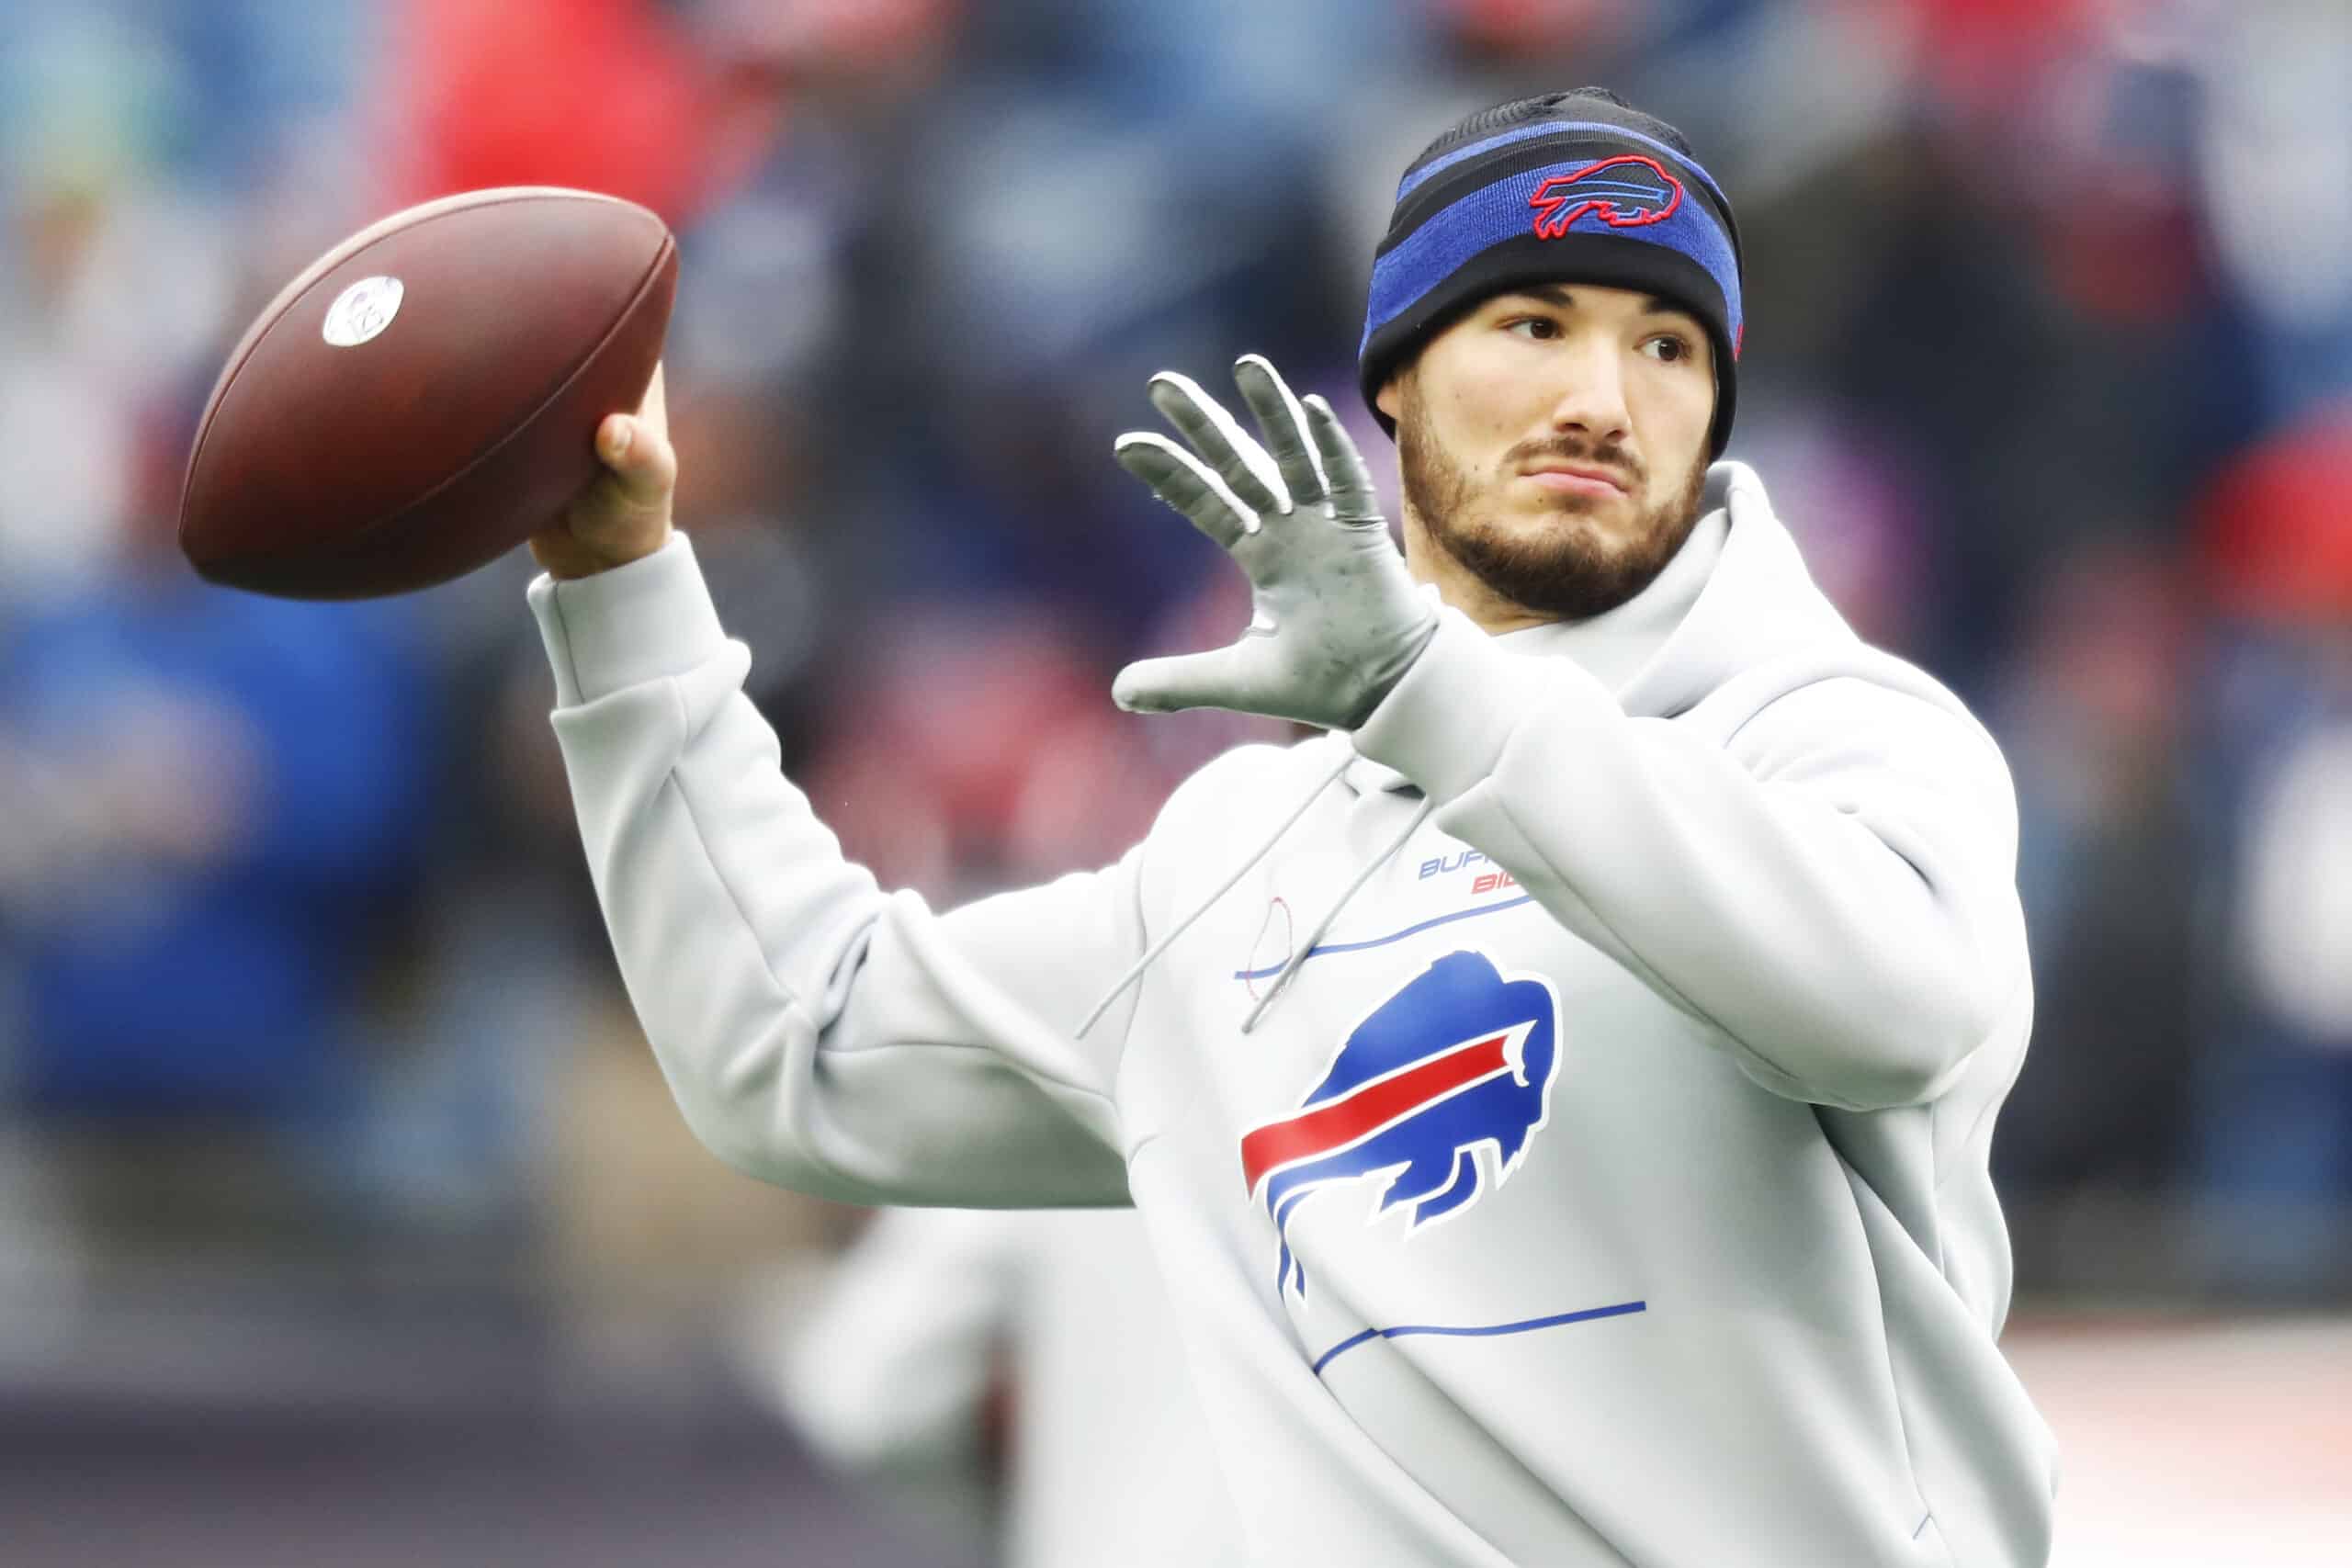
1624 192
1459 1061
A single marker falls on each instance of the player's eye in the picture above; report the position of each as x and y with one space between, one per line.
1538 329
1668 348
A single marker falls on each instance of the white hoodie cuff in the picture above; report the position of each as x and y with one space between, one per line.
645 621
1445 724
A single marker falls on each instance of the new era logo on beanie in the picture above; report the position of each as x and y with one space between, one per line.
1569 187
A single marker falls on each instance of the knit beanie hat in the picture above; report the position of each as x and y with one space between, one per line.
1569 187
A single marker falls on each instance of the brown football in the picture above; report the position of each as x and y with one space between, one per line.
425 395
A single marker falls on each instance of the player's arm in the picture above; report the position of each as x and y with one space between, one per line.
816 1032
1833 889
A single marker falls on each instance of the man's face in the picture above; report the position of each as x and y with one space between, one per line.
1553 445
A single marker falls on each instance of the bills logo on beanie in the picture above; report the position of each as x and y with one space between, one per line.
1621 192
1569 187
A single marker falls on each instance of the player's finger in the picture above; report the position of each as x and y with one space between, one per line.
1238 458
1354 499
1186 484
1284 423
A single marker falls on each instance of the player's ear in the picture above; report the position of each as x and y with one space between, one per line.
1390 397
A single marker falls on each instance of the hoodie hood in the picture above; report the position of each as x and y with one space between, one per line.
1736 597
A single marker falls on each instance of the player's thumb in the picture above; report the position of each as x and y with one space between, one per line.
1209 679
639 457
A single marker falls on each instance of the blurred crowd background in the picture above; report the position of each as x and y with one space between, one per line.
317 1089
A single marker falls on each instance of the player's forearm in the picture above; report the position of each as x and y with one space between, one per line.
730 1020
816 1033
1850 923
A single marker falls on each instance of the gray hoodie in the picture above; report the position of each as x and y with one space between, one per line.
1600 1178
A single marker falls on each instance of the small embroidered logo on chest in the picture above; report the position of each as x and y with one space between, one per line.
1435 1096
1485 877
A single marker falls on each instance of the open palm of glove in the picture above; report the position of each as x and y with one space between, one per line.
1336 619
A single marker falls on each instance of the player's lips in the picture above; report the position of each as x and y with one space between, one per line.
1577 479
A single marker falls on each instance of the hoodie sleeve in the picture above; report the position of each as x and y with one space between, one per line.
816 1032
1832 886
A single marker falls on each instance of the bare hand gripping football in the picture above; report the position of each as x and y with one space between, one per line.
1337 619
624 513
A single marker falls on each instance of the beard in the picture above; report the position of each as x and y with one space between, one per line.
1563 571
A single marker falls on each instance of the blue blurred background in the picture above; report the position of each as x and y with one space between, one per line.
343 1216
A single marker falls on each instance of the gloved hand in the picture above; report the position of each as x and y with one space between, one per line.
1336 619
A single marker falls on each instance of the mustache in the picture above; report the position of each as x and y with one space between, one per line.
1575 449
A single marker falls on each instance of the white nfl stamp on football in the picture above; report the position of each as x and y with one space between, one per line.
361 311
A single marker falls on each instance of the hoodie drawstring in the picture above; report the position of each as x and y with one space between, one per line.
1298 959
1135 970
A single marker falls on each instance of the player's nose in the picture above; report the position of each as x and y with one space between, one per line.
1590 393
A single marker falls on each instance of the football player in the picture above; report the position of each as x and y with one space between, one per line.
1558 1092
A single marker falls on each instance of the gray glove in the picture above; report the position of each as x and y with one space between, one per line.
1336 619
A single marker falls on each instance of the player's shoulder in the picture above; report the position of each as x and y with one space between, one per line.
1856 702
